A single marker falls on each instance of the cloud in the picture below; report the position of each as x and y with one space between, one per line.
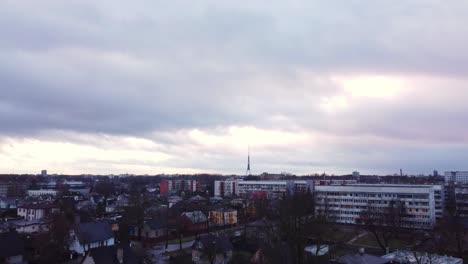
196 82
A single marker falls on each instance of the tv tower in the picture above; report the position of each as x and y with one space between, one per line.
248 172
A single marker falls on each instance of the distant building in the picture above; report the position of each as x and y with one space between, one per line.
356 174
4 186
274 189
168 187
225 188
36 211
43 172
42 192
461 200
223 217
460 177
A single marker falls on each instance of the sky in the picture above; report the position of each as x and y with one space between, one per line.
153 87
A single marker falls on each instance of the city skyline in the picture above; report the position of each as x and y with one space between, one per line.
149 88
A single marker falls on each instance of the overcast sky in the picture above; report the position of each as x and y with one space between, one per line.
185 86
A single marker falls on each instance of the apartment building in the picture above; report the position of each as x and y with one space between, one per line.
461 200
35 193
168 187
225 188
274 189
460 177
345 203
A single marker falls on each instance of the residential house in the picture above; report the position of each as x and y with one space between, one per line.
86 236
212 248
11 248
30 227
171 200
97 199
10 202
116 254
36 211
153 230
223 217
73 195
86 205
194 222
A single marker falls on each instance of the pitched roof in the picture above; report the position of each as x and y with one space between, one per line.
38 206
108 255
94 231
195 217
156 223
10 245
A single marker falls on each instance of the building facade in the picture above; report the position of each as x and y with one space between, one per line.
42 192
274 189
223 217
345 204
461 200
460 177
168 187
36 211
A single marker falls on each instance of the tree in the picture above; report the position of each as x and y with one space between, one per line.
135 212
57 241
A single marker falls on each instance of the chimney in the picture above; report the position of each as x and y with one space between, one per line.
120 255
362 251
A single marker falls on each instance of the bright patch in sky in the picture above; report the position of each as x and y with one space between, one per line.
372 86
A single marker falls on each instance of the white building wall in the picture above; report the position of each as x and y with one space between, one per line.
346 203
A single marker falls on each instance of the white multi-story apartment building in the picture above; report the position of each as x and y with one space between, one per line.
225 188
35 193
461 200
346 203
229 188
456 177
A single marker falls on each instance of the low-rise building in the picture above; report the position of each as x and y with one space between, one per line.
30 227
194 222
86 236
153 230
223 217
36 211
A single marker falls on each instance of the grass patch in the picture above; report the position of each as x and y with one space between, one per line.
369 240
